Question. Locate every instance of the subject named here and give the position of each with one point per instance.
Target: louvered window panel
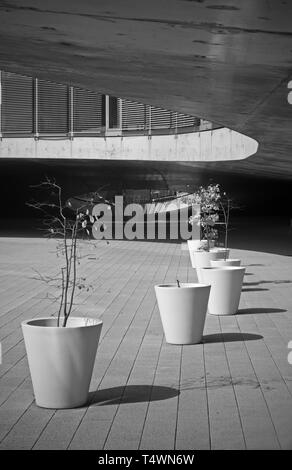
(184, 120)
(88, 111)
(53, 108)
(160, 118)
(17, 104)
(133, 115)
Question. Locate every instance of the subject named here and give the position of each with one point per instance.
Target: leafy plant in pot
(224, 275)
(183, 308)
(226, 205)
(61, 349)
(208, 198)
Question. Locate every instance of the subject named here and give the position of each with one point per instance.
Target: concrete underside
(228, 62)
(215, 145)
(234, 391)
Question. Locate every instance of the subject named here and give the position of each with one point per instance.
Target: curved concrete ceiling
(225, 61)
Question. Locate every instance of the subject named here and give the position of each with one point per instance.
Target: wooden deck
(234, 391)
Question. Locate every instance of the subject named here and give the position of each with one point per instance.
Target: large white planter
(203, 259)
(183, 311)
(223, 253)
(61, 359)
(226, 284)
(217, 263)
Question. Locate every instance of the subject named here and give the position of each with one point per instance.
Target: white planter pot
(61, 359)
(228, 262)
(223, 253)
(193, 245)
(183, 311)
(204, 243)
(226, 284)
(203, 259)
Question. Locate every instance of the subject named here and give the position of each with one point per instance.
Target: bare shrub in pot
(61, 351)
(71, 228)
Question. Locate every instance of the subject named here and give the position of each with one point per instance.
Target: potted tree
(61, 349)
(195, 242)
(226, 205)
(182, 308)
(208, 199)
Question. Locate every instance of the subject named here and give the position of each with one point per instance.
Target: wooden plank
(225, 423)
(193, 421)
(258, 428)
(275, 390)
(159, 433)
(129, 419)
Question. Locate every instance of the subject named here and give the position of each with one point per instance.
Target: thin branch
(62, 298)
(67, 231)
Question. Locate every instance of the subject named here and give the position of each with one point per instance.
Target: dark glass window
(113, 112)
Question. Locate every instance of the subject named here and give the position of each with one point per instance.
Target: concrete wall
(215, 145)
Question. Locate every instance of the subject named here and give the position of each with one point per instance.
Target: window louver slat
(53, 108)
(88, 111)
(17, 104)
(133, 115)
(184, 120)
(160, 118)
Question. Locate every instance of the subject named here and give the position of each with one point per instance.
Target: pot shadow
(259, 310)
(257, 289)
(250, 283)
(131, 394)
(255, 264)
(278, 281)
(230, 337)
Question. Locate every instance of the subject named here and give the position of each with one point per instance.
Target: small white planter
(226, 284)
(183, 311)
(204, 244)
(193, 245)
(228, 262)
(203, 259)
(223, 253)
(61, 359)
